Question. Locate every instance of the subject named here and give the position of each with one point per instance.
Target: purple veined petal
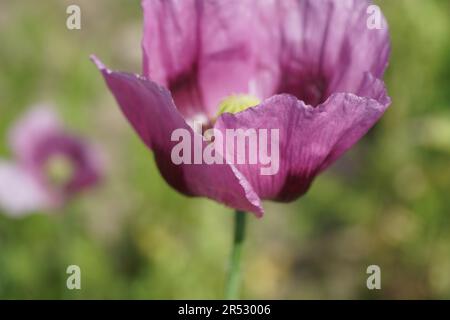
(204, 51)
(310, 139)
(20, 193)
(327, 47)
(371, 89)
(151, 111)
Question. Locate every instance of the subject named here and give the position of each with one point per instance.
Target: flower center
(237, 103)
(231, 104)
(59, 169)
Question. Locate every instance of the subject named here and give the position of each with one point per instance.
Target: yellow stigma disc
(237, 103)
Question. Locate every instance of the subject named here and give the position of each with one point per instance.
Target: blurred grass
(386, 202)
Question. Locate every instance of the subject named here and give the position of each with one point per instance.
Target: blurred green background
(386, 202)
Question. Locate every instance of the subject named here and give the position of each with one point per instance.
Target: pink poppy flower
(50, 165)
(315, 66)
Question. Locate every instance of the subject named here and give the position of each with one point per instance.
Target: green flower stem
(234, 273)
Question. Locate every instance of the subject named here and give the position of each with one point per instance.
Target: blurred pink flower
(314, 63)
(50, 165)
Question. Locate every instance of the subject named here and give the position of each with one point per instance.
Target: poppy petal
(204, 51)
(329, 45)
(309, 139)
(20, 193)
